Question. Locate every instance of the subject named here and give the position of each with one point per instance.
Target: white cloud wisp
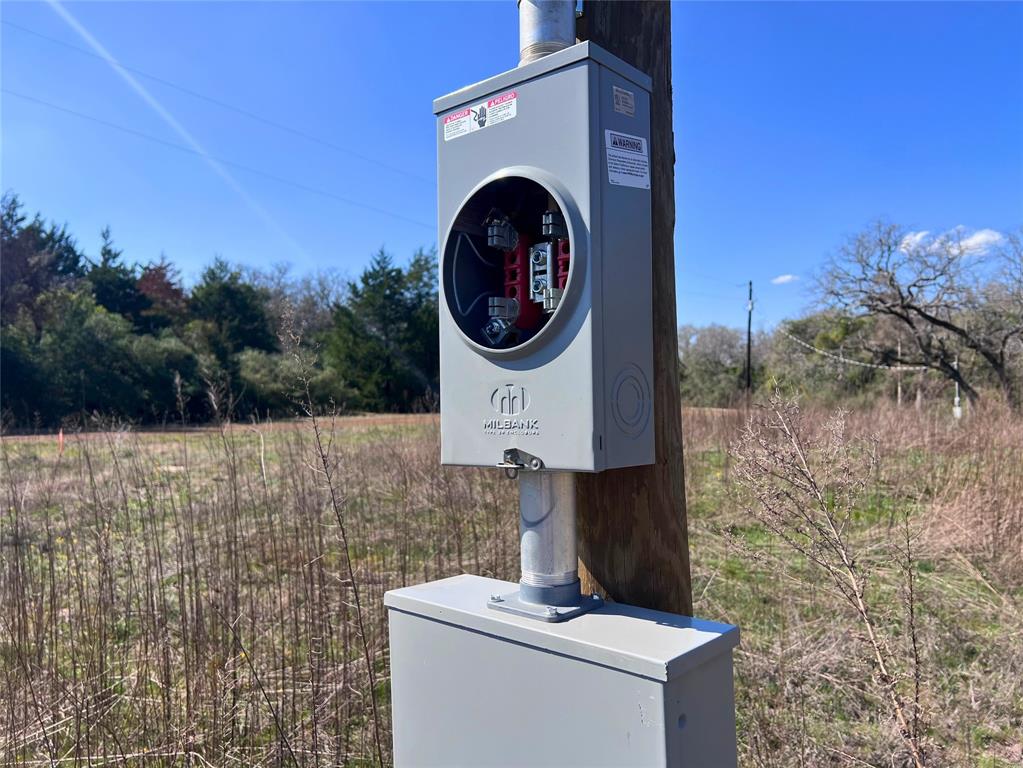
(976, 243)
(981, 241)
(784, 279)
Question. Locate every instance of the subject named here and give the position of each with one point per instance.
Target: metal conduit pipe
(545, 26)
(547, 538)
(547, 499)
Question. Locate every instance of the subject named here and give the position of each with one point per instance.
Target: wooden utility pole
(633, 537)
(749, 345)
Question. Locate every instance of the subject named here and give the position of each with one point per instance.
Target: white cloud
(913, 240)
(978, 242)
(981, 241)
(784, 279)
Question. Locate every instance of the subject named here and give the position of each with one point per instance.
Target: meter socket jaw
(543, 286)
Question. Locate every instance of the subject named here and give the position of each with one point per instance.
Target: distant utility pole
(957, 410)
(633, 538)
(898, 378)
(749, 344)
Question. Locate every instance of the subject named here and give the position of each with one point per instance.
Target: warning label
(456, 124)
(479, 116)
(628, 162)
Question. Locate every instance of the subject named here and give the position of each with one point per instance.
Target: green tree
(712, 362)
(22, 379)
(275, 384)
(80, 361)
(166, 367)
(384, 339)
(115, 284)
(232, 313)
(824, 377)
(424, 336)
(36, 257)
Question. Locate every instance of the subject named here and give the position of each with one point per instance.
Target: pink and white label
(479, 116)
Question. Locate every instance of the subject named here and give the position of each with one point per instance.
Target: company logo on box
(510, 400)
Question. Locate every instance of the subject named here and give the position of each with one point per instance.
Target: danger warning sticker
(479, 116)
(628, 162)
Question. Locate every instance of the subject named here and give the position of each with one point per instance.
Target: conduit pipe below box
(547, 535)
(547, 538)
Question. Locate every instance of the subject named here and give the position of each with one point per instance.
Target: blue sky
(796, 124)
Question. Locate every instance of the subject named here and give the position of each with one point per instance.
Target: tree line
(101, 335)
(85, 336)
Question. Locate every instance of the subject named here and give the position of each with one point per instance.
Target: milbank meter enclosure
(546, 326)
(546, 364)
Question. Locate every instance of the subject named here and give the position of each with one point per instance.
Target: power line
(172, 122)
(685, 272)
(706, 295)
(231, 163)
(223, 104)
(847, 361)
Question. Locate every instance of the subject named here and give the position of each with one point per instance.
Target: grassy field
(213, 597)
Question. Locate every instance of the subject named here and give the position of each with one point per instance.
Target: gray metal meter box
(544, 213)
(620, 686)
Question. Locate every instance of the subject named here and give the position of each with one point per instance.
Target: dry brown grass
(174, 600)
(809, 691)
(184, 598)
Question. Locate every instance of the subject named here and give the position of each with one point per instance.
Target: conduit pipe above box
(545, 26)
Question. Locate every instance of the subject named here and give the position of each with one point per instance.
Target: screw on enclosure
(496, 599)
(552, 611)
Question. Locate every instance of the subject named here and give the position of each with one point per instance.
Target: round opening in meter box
(506, 263)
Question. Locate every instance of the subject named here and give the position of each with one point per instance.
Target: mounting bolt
(535, 463)
(552, 611)
(496, 599)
